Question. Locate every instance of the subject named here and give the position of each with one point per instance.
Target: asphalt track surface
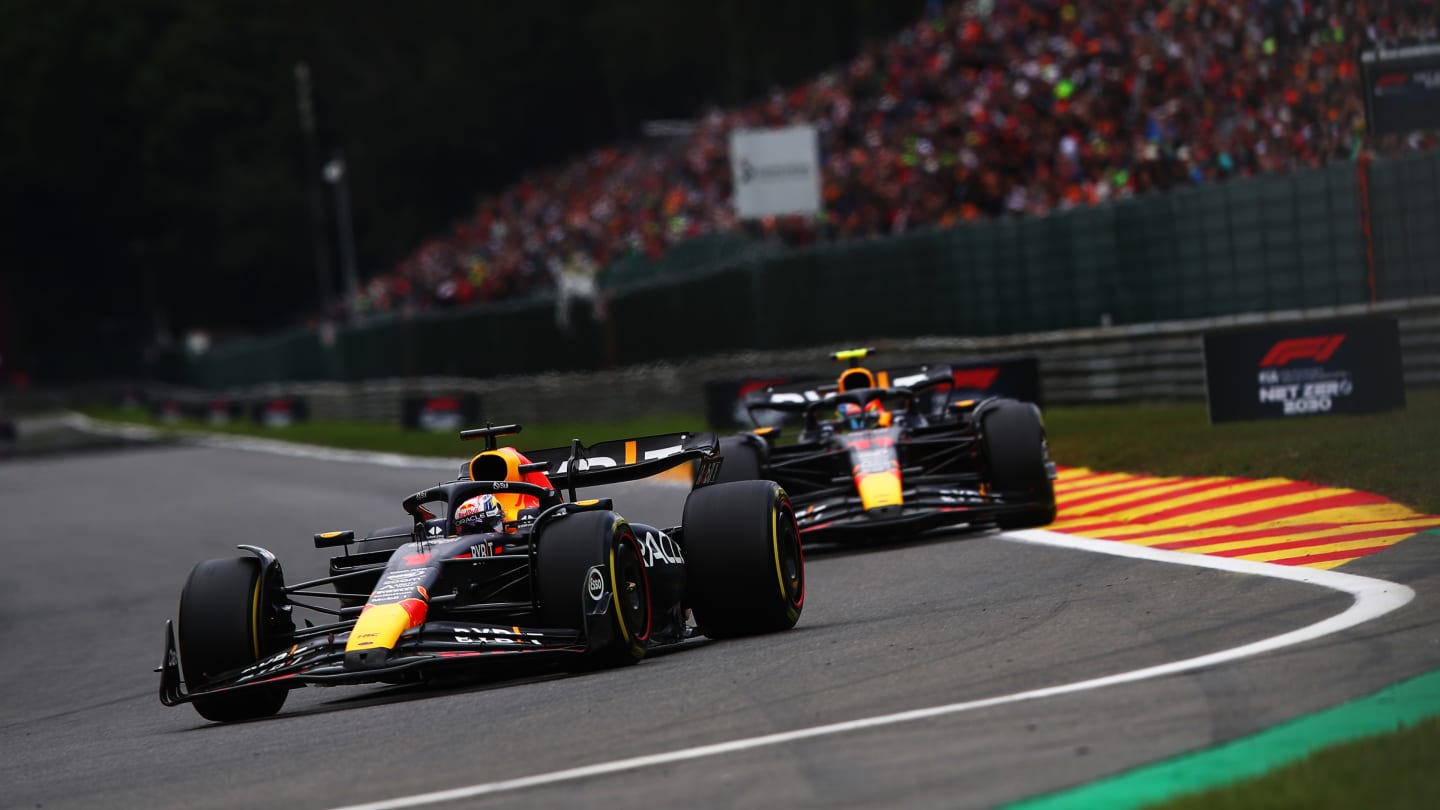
(97, 546)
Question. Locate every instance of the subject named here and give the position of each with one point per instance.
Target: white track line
(259, 445)
(292, 449)
(1373, 598)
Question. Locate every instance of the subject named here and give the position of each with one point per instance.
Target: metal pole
(304, 99)
(335, 175)
(1362, 170)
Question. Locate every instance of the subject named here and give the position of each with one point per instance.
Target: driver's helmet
(876, 415)
(480, 514)
(850, 416)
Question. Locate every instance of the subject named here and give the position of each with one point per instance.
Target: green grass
(1393, 771)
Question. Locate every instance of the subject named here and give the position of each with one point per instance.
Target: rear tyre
(1015, 462)
(741, 460)
(618, 621)
(743, 561)
(226, 623)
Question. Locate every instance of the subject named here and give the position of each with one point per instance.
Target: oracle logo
(1318, 348)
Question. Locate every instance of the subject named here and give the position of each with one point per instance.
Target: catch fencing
(1350, 235)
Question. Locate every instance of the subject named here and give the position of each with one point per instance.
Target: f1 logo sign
(1391, 81)
(1318, 348)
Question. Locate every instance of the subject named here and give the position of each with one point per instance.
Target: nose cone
(880, 490)
(377, 630)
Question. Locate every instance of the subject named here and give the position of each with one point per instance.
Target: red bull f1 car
(893, 452)
(543, 575)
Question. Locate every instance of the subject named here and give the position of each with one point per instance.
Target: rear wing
(794, 396)
(789, 397)
(920, 378)
(628, 459)
(802, 397)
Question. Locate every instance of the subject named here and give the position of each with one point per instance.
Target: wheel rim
(789, 558)
(631, 589)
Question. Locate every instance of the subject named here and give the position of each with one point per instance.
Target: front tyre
(590, 575)
(745, 568)
(225, 623)
(1016, 463)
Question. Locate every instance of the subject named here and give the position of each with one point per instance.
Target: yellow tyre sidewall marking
(625, 633)
(775, 546)
(255, 618)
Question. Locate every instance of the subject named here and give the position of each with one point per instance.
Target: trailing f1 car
(893, 452)
(494, 565)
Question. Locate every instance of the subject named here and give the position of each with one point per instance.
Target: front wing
(835, 513)
(321, 660)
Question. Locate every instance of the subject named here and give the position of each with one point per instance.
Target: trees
(151, 158)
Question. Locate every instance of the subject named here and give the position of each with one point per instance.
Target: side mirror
(332, 539)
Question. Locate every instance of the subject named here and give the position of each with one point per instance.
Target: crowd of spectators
(981, 109)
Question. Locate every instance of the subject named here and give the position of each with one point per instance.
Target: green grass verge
(1394, 771)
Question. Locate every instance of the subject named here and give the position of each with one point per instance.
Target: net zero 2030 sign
(1301, 369)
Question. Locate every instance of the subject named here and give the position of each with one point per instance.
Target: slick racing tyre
(740, 459)
(226, 623)
(1012, 443)
(743, 562)
(590, 575)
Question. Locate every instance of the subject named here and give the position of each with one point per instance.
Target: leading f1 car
(495, 565)
(894, 452)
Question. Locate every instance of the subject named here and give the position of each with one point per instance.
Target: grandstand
(979, 110)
